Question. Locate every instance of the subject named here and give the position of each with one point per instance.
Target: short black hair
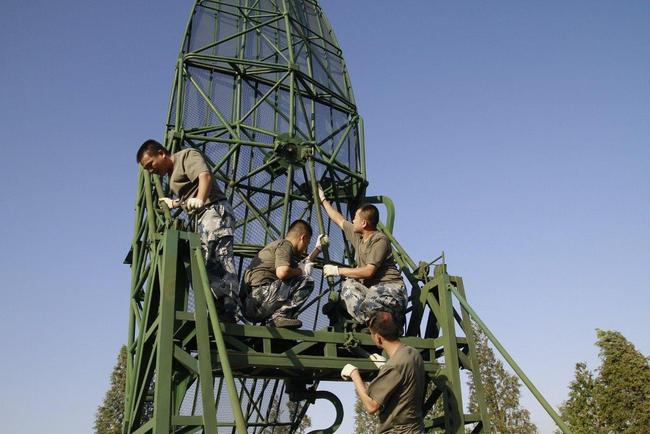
(151, 147)
(383, 323)
(370, 213)
(300, 227)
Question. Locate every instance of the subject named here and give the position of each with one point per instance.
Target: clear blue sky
(512, 135)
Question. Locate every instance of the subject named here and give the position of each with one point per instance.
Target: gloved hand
(169, 202)
(321, 193)
(306, 267)
(194, 204)
(378, 359)
(322, 239)
(330, 270)
(347, 370)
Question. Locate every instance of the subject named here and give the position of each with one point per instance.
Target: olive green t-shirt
(261, 270)
(399, 390)
(183, 182)
(377, 251)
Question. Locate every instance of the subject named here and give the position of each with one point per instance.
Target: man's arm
(334, 215)
(283, 261)
(203, 192)
(365, 272)
(369, 404)
(320, 241)
(205, 185)
(284, 272)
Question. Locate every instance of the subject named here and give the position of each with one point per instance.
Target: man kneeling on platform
(375, 283)
(278, 285)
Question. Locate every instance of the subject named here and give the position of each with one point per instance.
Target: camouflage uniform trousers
(361, 301)
(216, 227)
(278, 299)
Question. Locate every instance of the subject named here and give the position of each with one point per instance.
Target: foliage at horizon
(110, 414)
(617, 398)
(501, 390)
(364, 423)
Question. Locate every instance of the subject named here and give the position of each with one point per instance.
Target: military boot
(284, 322)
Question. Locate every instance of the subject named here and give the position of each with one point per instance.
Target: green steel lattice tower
(261, 88)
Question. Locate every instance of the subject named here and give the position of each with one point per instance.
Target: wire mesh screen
(253, 73)
(263, 403)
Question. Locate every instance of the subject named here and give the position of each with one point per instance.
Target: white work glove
(347, 371)
(330, 270)
(322, 239)
(169, 202)
(321, 194)
(378, 359)
(194, 204)
(306, 267)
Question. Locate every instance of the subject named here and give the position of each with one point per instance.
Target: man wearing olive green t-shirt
(375, 283)
(278, 284)
(397, 393)
(195, 190)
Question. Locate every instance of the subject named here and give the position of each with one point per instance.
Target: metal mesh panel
(235, 53)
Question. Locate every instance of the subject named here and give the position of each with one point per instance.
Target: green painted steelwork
(261, 89)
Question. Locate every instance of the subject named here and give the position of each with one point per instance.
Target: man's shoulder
(271, 245)
(187, 152)
(378, 235)
(404, 354)
(182, 152)
(348, 231)
(282, 242)
(410, 350)
(274, 245)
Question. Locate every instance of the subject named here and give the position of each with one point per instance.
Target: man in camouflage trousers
(278, 285)
(197, 192)
(375, 283)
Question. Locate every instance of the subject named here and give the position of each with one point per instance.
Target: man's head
(154, 158)
(383, 327)
(366, 218)
(299, 234)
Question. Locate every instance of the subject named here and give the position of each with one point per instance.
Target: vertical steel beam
(206, 380)
(466, 325)
(165, 336)
(218, 336)
(452, 396)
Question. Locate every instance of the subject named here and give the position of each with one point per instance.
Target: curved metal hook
(329, 396)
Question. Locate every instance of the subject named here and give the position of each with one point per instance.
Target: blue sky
(512, 135)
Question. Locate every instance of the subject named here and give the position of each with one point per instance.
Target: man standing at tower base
(397, 393)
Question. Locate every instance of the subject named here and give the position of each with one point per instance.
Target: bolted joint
(288, 151)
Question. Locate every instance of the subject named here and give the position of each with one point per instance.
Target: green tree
(364, 423)
(622, 390)
(305, 422)
(276, 416)
(110, 414)
(617, 400)
(579, 411)
(501, 391)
